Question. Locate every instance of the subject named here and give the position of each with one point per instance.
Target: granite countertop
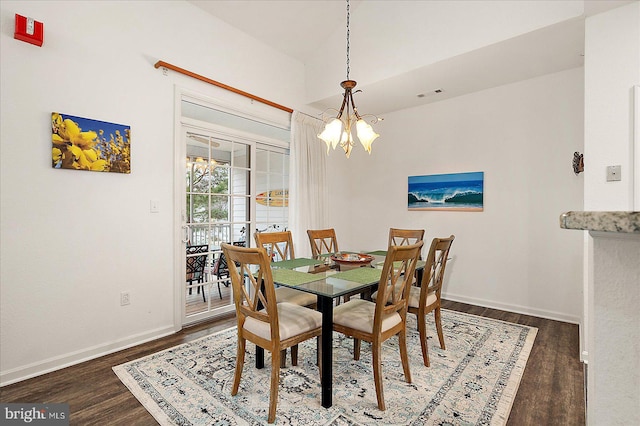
(625, 222)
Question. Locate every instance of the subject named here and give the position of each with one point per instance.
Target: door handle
(187, 231)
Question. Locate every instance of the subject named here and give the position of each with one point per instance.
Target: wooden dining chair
(426, 298)
(261, 319)
(279, 245)
(376, 322)
(322, 241)
(400, 237)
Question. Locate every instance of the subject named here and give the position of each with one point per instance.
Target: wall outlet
(125, 298)
(613, 173)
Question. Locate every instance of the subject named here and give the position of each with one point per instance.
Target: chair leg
(404, 355)
(294, 355)
(219, 291)
(283, 358)
(439, 327)
(204, 298)
(239, 365)
(356, 349)
(377, 373)
(275, 379)
(422, 331)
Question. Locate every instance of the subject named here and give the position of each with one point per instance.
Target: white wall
(612, 68)
(513, 255)
(72, 241)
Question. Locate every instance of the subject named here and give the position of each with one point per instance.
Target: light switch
(613, 173)
(154, 206)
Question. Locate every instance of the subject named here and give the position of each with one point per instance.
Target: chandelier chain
(338, 130)
(348, 39)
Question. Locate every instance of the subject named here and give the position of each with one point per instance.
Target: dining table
(328, 281)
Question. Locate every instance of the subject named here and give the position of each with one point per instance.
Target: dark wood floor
(551, 391)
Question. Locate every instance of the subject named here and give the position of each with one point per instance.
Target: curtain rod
(221, 85)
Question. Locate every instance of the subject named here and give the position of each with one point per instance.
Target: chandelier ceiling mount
(338, 130)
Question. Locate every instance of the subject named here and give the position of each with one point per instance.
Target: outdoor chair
(195, 266)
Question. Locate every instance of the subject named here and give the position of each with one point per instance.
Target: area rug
(473, 382)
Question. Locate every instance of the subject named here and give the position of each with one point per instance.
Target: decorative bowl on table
(353, 259)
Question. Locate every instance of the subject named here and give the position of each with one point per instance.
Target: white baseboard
(56, 363)
(525, 310)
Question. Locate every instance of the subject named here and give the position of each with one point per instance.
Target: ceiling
(550, 49)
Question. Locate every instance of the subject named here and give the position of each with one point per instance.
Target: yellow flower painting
(85, 144)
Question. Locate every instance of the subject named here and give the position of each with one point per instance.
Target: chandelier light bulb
(332, 133)
(365, 134)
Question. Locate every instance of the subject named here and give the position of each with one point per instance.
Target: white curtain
(308, 194)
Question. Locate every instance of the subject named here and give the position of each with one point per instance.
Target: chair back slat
(253, 288)
(322, 241)
(401, 237)
(435, 266)
(279, 245)
(395, 280)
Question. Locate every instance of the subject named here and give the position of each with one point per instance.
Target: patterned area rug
(472, 382)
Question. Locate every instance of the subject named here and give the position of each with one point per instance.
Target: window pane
(240, 155)
(221, 151)
(240, 209)
(199, 208)
(276, 162)
(240, 233)
(220, 180)
(200, 178)
(220, 234)
(240, 181)
(199, 234)
(220, 208)
(262, 160)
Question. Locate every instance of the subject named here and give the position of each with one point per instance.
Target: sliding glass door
(234, 182)
(217, 210)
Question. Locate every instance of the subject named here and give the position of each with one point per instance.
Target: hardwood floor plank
(551, 391)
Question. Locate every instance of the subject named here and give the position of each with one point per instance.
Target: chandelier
(338, 130)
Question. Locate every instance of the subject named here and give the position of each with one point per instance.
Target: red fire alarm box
(29, 30)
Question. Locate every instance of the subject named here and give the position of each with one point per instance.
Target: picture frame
(80, 143)
(450, 192)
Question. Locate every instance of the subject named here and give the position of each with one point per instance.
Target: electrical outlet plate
(125, 298)
(614, 173)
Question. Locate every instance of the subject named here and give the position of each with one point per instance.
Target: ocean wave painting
(455, 191)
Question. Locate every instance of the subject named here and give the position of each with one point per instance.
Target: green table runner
(287, 276)
(295, 263)
(360, 275)
(378, 253)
